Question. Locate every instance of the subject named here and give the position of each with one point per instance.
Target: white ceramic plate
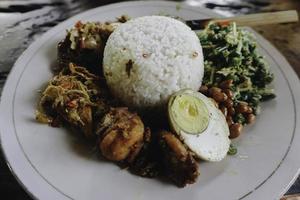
(51, 163)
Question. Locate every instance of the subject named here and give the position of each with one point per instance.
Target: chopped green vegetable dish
(230, 53)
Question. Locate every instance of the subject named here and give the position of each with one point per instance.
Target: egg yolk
(189, 114)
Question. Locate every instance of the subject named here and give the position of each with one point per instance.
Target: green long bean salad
(230, 53)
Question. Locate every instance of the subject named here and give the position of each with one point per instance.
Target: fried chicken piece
(121, 135)
(179, 163)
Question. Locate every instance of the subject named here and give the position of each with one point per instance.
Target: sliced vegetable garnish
(232, 150)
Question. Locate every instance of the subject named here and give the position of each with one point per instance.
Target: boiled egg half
(199, 124)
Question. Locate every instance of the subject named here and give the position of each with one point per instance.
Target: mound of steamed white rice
(149, 58)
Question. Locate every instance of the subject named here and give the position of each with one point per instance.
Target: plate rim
(290, 71)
